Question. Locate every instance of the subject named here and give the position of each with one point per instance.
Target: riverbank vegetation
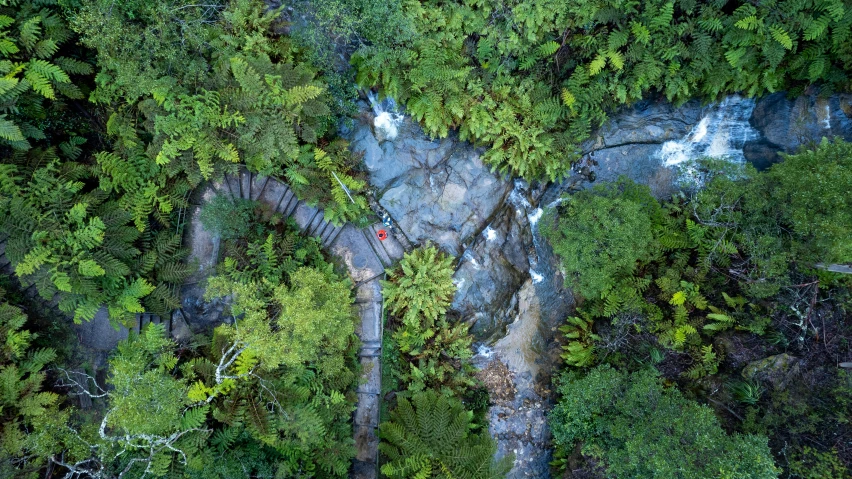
(110, 115)
(529, 80)
(721, 292)
(713, 303)
(435, 421)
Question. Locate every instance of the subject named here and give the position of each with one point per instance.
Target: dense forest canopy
(115, 115)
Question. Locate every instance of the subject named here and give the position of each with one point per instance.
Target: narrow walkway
(366, 258)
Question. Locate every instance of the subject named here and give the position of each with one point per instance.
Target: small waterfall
(826, 122)
(720, 134)
(388, 119)
(528, 350)
(521, 204)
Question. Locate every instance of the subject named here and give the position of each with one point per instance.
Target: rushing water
(529, 351)
(722, 133)
(387, 117)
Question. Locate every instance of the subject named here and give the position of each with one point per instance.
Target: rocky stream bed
(509, 285)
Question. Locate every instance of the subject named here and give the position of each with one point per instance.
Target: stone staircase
(98, 333)
(144, 319)
(365, 258)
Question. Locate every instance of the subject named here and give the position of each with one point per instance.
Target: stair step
(321, 230)
(221, 188)
(376, 243)
(391, 245)
(258, 183)
(273, 193)
(245, 184)
(233, 184)
(304, 215)
(289, 204)
(316, 224)
(330, 234)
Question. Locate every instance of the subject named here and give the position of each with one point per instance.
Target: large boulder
(651, 140)
(491, 271)
(631, 141)
(435, 190)
(785, 124)
(776, 370)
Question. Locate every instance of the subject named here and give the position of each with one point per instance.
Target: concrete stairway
(98, 333)
(366, 258)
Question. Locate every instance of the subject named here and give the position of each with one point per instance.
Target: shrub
(811, 191)
(430, 437)
(227, 217)
(531, 79)
(639, 429)
(600, 234)
(421, 287)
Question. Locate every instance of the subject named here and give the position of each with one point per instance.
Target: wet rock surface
(509, 285)
(785, 124)
(518, 378)
(436, 190)
(639, 141)
(491, 271)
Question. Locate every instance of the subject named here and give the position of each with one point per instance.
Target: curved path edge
(365, 258)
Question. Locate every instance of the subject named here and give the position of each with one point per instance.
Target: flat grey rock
(99, 334)
(352, 247)
(370, 328)
(366, 444)
(369, 292)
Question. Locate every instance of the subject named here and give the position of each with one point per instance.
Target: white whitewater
(722, 133)
(387, 118)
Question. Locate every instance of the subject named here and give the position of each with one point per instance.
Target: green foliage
(600, 234)
(229, 218)
(812, 464)
(810, 191)
(301, 416)
(283, 374)
(70, 239)
(531, 79)
(278, 323)
(23, 404)
(207, 87)
(147, 399)
(434, 350)
(747, 391)
(580, 350)
(698, 265)
(212, 412)
(638, 428)
(436, 358)
(801, 418)
(148, 427)
(431, 437)
(421, 287)
(31, 35)
(73, 242)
